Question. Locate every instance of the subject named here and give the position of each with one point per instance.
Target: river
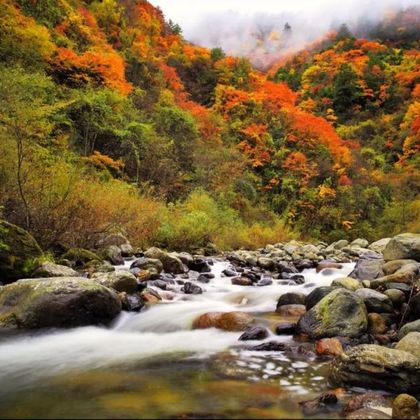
(152, 365)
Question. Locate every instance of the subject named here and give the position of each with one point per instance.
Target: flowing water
(152, 365)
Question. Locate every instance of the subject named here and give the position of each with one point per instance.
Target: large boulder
(18, 253)
(49, 269)
(404, 246)
(227, 321)
(56, 302)
(377, 367)
(316, 295)
(120, 280)
(340, 313)
(368, 267)
(410, 343)
(380, 245)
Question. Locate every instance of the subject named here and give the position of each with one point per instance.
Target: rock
(396, 296)
(150, 296)
(297, 278)
(271, 346)
(79, 257)
(19, 252)
(116, 239)
(96, 266)
(408, 328)
(265, 282)
(49, 269)
(316, 295)
(131, 303)
(376, 324)
(185, 257)
(227, 321)
(286, 328)
(327, 264)
(319, 404)
(414, 307)
(367, 413)
(410, 343)
(255, 333)
(405, 407)
(367, 400)
(152, 265)
(170, 261)
(242, 281)
(373, 366)
(399, 286)
(200, 265)
(121, 280)
(360, 243)
(340, 313)
(375, 301)
(291, 298)
(192, 289)
(380, 245)
(340, 244)
(229, 272)
(112, 253)
(205, 277)
(368, 268)
(266, 263)
(328, 347)
(126, 250)
(160, 284)
(404, 246)
(291, 310)
(60, 302)
(347, 283)
(391, 267)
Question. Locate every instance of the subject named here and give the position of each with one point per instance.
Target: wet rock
(410, 327)
(160, 284)
(191, 289)
(367, 400)
(121, 280)
(340, 313)
(49, 269)
(286, 328)
(368, 413)
(297, 278)
(292, 298)
(266, 263)
(131, 303)
(377, 367)
(375, 301)
(347, 283)
(404, 246)
(227, 321)
(327, 264)
(150, 296)
(229, 272)
(60, 302)
(291, 310)
(267, 281)
(152, 265)
(286, 267)
(205, 277)
(316, 295)
(255, 333)
(241, 281)
(368, 268)
(271, 346)
(410, 343)
(318, 405)
(18, 253)
(200, 265)
(405, 407)
(376, 324)
(328, 347)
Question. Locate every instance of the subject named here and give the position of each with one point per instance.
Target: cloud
(256, 28)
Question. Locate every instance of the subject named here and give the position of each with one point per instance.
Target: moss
(80, 256)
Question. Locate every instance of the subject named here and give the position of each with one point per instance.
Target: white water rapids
(160, 330)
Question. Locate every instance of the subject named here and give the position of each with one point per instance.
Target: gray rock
(368, 268)
(60, 302)
(113, 254)
(255, 333)
(377, 367)
(170, 261)
(192, 289)
(360, 243)
(121, 280)
(408, 328)
(391, 267)
(375, 301)
(154, 266)
(339, 313)
(404, 246)
(49, 269)
(396, 296)
(380, 245)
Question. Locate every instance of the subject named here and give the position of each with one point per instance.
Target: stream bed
(153, 365)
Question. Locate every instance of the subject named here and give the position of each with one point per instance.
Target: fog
(257, 28)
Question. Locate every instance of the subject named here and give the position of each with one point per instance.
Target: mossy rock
(19, 253)
(339, 313)
(79, 257)
(60, 302)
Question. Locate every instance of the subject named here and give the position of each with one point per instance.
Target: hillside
(112, 121)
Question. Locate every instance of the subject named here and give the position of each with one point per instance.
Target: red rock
(328, 347)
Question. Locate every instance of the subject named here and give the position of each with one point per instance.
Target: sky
(255, 27)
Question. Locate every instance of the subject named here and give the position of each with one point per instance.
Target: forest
(111, 121)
